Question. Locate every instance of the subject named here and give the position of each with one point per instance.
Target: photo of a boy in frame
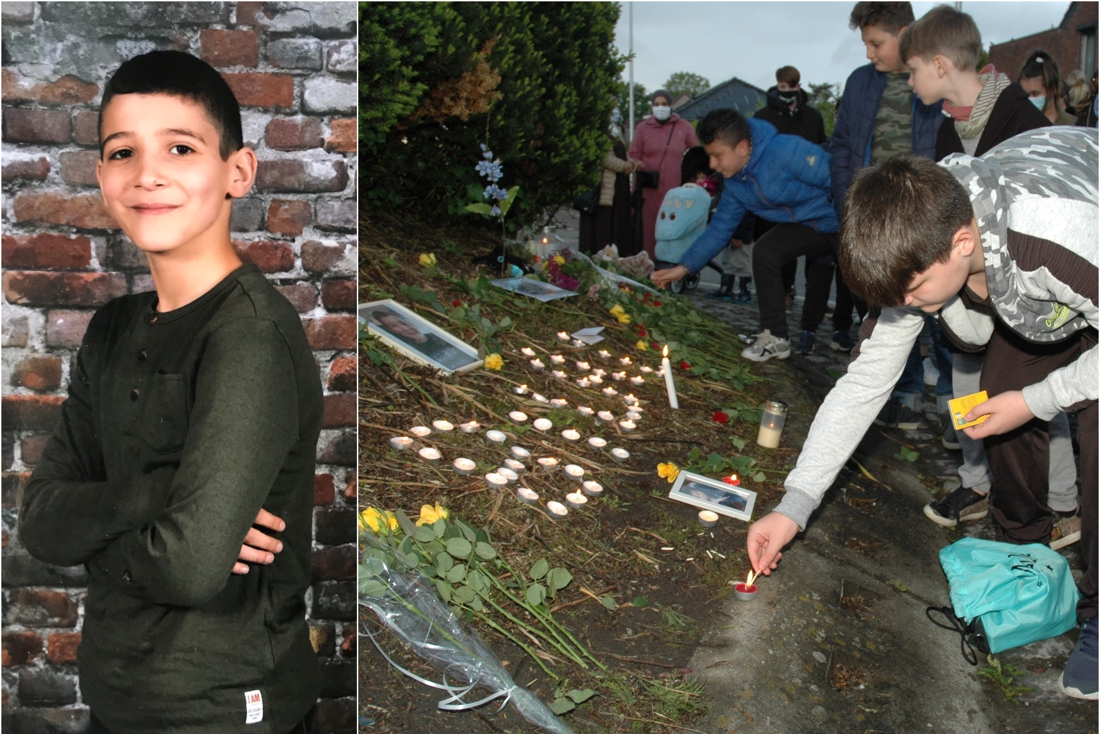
(418, 336)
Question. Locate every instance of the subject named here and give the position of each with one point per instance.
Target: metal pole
(630, 133)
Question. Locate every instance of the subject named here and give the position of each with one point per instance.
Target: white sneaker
(767, 346)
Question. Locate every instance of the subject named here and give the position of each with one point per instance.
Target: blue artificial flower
(492, 171)
(495, 211)
(494, 193)
(484, 168)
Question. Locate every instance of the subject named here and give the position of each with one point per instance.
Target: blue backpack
(680, 221)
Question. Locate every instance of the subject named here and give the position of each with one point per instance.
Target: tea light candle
(636, 408)
(632, 415)
(517, 416)
(595, 379)
(574, 472)
(400, 442)
(583, 366)
(620, 454)
(529, 496)
(592, 489)
(470, 427)
(606, 416)
(637, 380)
(549, 463)
(496, 437)
(745, 592)
(539, 398)
(630, 399)
(543, 424)
(518, 452)
(578, 343)
(430, 455)
(556, 509)
(585, 411)
(661, 372)
(628, 425)
(604, 354)
(583, 382)
(520, 389)
(570, 435)
(610, 391)
(646, 369)
(564, 336)
(495, 481)
(528, 352)
(559, 402)
(707, 518)
(625, 361)
(559, 374)
(596, 442)
(509, 475)
(464, 466)
(576, 500)
(557, 359)
(420, 431)
(516, 466)
(537, 364)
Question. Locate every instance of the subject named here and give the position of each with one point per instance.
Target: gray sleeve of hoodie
(848, 411)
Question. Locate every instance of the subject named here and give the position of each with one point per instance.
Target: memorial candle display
(627, 425)
(400, 442)
(495, 481)
(583, 382)
(596, 442)
(470, 427)
(625, 361)
(618, 376)
(595, 379)
(605, 416)
(583, 366)
(563, 335)
(430, 455)
(673, 402)
(543, 424)
(570, 435)
(509, 475)
(556, 509)
(527, 352)
(516, 466)
(559, 402)
(574, 472)
(520, 453)
(637, 380)
(771, 424)
(496, 437)
(576, 500)
(548, 463)
(599, 373)
(464, 466)
(557, 359)
(420, 431)
(518, 416)
(537, 364)
(645, 369)
(539, 398)
(610, 391)
(586, 411)
(529, 496)
(604, 354)
(592, 489)
(620, 454)
(558, 374)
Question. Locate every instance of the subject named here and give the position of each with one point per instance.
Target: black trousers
(780, 245)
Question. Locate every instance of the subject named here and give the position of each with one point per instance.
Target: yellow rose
(494, 361)
(624, 318)
(373, 518)
(641, 345)
(617, 310)
(427, 260)
(668, 471)
(559, 259)
(429, 514)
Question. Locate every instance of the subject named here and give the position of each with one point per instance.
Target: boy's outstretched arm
(241, 429)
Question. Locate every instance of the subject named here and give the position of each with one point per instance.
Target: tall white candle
(673, 402)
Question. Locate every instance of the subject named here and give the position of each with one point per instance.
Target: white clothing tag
(253, 707)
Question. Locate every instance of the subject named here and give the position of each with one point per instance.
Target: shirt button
(134, 394)
(142, 355)
(153, 319)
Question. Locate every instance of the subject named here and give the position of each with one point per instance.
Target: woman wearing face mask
(1043, 84)
(659, 144)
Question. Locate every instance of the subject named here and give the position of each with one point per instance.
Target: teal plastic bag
(1017, 593)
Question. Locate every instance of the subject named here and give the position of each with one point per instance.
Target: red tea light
(732, 480)
(744, 592)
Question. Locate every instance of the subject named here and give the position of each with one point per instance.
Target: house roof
(735, 93)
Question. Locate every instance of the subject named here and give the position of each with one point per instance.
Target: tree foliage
(824, 98)
(641, 104)
(535, 81)
(684, 82)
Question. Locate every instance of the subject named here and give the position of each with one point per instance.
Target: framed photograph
(534, 288)
(714, 494)
(417, 338)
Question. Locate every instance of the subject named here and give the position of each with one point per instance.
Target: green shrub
(535, 81)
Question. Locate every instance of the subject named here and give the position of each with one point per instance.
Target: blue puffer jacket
(850, 145)
(786, 180)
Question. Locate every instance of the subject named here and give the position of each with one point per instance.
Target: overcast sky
(750, 40)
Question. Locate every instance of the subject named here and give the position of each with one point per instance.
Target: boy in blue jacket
(782, 179)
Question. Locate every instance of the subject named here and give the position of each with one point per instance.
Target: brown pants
(1019, 459)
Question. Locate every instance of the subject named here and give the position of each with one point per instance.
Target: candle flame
(749, 578)
(664, 352)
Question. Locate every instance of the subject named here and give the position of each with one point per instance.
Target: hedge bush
(534, 81)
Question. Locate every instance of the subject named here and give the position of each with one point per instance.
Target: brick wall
(1064, 44)
(293, 68)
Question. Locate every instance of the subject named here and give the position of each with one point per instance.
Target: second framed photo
(714, 494)
(417, 338)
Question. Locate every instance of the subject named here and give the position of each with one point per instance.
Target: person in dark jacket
(788, 108)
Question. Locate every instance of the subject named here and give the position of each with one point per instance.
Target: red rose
(655, 345)
(642, 332)
(456, 303)
(657, 303)
(720, 417)
(684, 365)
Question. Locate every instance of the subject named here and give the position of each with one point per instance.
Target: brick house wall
(1064, 43)
(293, 69)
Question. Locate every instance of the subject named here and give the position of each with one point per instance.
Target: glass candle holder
(771, 424)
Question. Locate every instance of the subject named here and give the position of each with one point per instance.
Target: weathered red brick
(66, 328)
(270, 91)
(20, 647)
(35, 169)
(324, 489)
(46, 252)
(30, 412)
(67, 90)
(288, 216)
(298, 176)
(340, 410)
(331, 332)
(23, 125)
(271, 257)
(318, 257)
(61, 648)
(343, 375)
(252, 13)
(339, 295)
(350, 491)
(85, 211)
(302, 296)
(344, 137)
(348, 644)
(31, 448)
(41, 608)
(86, 127)
(294, 133)
(43, 288)
(334, 563)
(41, 373)
(230, 48)
(78, 167)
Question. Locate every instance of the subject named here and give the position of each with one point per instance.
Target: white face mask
(1039, 102)
(661, 113)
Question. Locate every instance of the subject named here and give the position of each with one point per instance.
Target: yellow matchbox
(961, 406)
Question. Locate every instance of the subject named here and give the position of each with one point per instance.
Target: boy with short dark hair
(193, 412)
(780, 178)
(1004, 249)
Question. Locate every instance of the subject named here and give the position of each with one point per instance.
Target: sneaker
(806, 343)
(724, 292)
(962, 505)
(842, 342)
(1078, 680)
(896, 414)
(767, 346)
(1066, 530)
(949, 436)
